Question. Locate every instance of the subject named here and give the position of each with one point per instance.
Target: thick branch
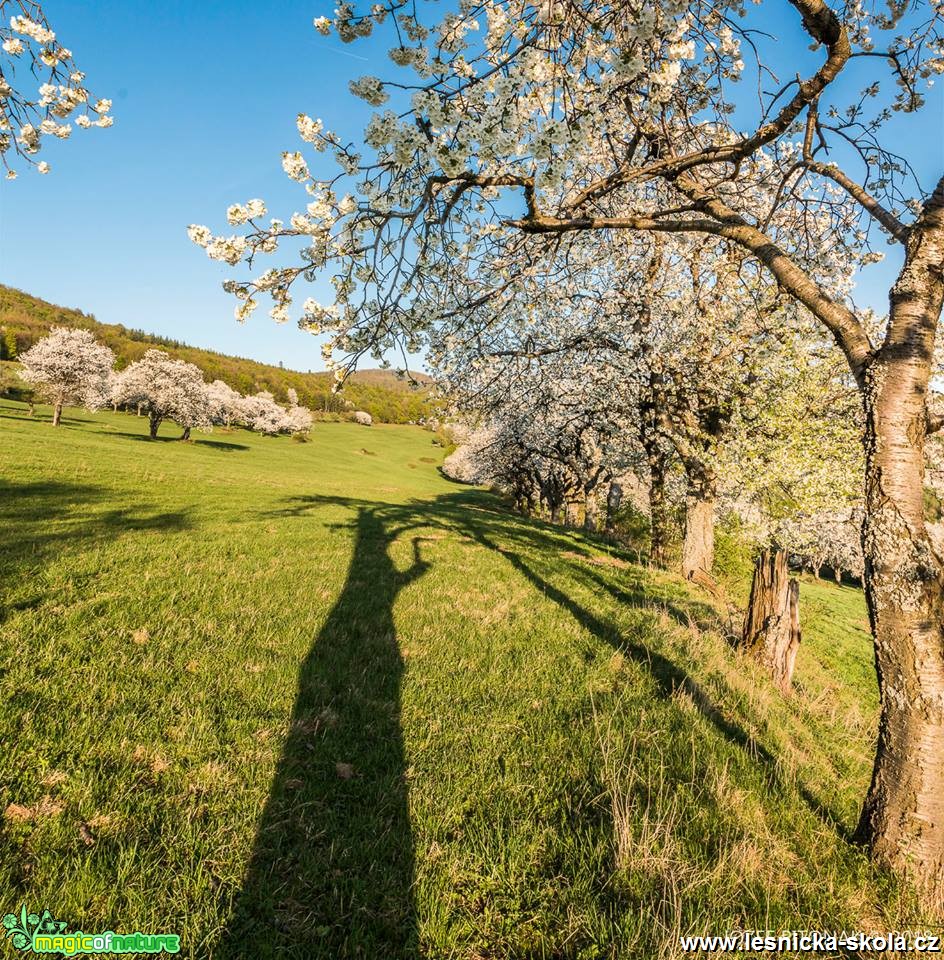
(824, 27)
(725, 222)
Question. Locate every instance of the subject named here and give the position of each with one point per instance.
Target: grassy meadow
(315, 701)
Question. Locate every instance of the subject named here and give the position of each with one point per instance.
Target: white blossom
(69, 366)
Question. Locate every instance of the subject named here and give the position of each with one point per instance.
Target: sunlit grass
(315, 701)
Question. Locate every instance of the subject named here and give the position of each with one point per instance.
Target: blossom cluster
(29, 49)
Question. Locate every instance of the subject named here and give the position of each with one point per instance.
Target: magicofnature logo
(43, 933)
(22, 928)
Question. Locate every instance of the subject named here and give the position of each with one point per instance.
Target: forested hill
(24, 319)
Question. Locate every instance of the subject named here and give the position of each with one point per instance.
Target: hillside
(314, 701)
(24, 319)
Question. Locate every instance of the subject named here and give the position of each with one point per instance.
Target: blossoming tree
(29, 50)
(69, 366)
(261, 413)
(225, 403)
(612, 117)
(166, 389)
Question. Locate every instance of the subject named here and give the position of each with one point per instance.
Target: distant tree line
(25, 320)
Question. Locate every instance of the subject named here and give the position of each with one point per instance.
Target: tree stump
(772, 624)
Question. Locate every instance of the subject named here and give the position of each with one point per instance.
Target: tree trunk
(591, 513)
(698, 548)
(772, 624)
(570, 513)
(902, 819)
(57, 413)
(614, 500)
(816, 570)
(154, 424)
(186, 434)
(555, 512)
(837, 574)
(660, 525)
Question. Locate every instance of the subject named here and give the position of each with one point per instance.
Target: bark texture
(57, 413)
(155, 422)
(902, 820)
(660, 518)
(698, 548)
(614, 500)
(571, 513)
(772, 625)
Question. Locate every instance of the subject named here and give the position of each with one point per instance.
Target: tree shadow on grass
(671, 679)
(224, 445)
(331, 871)
(332, 866)
(42, 416)
(669, 676)
(41, 520)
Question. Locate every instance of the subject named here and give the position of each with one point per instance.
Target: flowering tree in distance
(225, 403)
(69, 366)
(612, 117)
(261, 413)
(298, 419)
(29, 50)
(166, 389)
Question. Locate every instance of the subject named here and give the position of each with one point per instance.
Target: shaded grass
(297, 701)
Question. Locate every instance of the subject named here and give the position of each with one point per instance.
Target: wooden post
(772, 624)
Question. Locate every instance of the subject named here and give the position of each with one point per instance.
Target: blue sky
(205, 98)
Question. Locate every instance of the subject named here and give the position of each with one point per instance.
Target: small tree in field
(261, 413)
(69, 367)
(166, 389)
(298, 419)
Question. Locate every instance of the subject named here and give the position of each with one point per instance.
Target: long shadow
(331, 872)
(480, 517)
(226, 445)
(40, 520)
(669, 677)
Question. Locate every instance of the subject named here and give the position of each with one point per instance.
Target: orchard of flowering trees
(69, 367)
(624, 230)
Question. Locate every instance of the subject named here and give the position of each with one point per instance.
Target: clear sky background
(205, 98)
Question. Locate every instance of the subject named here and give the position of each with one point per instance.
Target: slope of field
(24, 319)
(315, 701)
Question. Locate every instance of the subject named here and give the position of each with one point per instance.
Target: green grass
(315, 701)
